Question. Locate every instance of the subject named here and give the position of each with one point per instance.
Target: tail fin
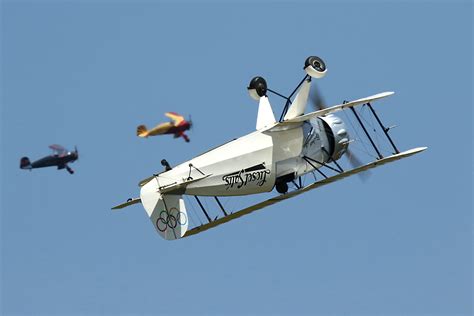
(142, 131)
(25, 163)
(167, 212)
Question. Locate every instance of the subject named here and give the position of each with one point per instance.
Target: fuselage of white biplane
(253, 163)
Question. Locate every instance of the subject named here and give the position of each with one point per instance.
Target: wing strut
(308, 159)
(314, 167)
(220, 205)
(203, 209)
(366, 133)
(385, 129)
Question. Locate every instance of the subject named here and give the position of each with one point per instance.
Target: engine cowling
(325, 138)
(337, 134)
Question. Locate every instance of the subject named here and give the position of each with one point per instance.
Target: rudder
(142, 131)
(167, 212)
(25, 163)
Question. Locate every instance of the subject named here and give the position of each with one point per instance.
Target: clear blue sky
(86, 74)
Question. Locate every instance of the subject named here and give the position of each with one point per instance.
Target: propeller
(316, 99)
(190, 121)
(356, 162)
(317, 102)
(76, 152)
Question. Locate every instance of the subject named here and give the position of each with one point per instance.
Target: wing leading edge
(175, 117)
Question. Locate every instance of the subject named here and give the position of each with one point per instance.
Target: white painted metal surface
(336, 108)
(298, 106)
(167, 212)
(265, 116)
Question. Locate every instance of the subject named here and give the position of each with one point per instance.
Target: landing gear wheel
(257, 88)
(281, 187)
(315, 67)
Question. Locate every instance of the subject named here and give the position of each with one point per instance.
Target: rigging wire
(194, 210)
(359, 140)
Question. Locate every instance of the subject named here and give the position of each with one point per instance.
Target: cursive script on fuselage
(243, 178)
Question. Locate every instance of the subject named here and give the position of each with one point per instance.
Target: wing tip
(415, 150)
(128, 203)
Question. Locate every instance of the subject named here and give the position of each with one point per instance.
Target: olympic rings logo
(171, 219)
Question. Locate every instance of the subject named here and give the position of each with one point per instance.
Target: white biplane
(278, 153)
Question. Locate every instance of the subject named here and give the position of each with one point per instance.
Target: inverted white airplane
(277, 153)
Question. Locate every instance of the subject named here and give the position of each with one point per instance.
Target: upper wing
(175, 117)
(57, 148)
(332, 109)
(312, 186)
(339, 107)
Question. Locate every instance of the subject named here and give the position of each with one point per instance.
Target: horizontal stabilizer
(145, 181)
(179, 188)
(128, 203)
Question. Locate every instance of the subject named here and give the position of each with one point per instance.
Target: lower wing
(312, 186)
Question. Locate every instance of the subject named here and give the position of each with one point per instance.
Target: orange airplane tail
(142, 131)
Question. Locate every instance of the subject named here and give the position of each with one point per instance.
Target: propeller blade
(316, 99)
(356, 162)
(190, 121)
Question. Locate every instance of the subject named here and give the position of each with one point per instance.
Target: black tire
(282, 187)
(260, 86)
(316, 63)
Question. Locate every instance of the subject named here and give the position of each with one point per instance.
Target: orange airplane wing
(175, 117)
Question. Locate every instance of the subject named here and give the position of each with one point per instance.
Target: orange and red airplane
(177, 126)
